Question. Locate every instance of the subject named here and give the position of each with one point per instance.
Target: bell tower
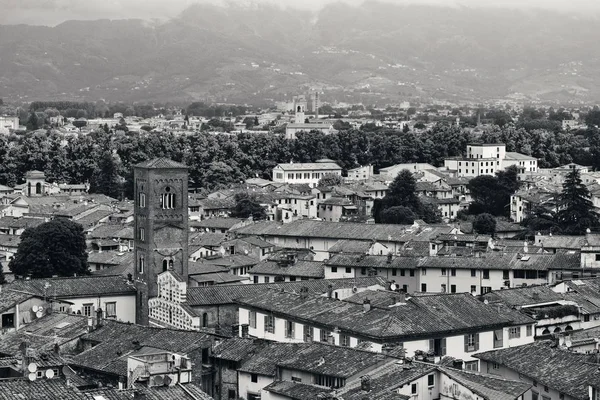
(161, 226)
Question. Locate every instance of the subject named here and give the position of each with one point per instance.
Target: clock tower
(161, 226)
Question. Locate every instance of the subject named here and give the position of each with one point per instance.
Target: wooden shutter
(443, 346)
(466, 343)
(431, 344)
(476, 341)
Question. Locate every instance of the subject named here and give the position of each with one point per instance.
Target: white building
(487, 159)
(307, 173)
(8, 123)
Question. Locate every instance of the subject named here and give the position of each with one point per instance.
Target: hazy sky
(52, 12)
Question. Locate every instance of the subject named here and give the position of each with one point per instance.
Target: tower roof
(161, 163)
(34, 174)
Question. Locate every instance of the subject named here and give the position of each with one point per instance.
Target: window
(431, 380)
(333, 270)
(472, 366)
(255, 278)
(473, 272)
(453, 272)
(505, 274)
(231, 394)
(141, 263)
(443, 289)
(471, 342)
(167, 199)
(253, 396)
(498, 338)
(324, 335)
(452, 288)
(289, 329)
(307, 334)
(254, 378)
(535, 395)
(110, 309)
(252, 319)
(412, 272)
(394, 272)
(586, 318)
(413, 388)
(269, 323)
(529, 330)
(345, 340)
(597, 257)
(87, 309)
(424, 271)
(423, 287)
(296, 379)
(8, 320)
(142, 234)
(486, 274)
(267, 280)
(142, 200)
(348, 270)
(443, 271)
(473, 289)
(514, 332)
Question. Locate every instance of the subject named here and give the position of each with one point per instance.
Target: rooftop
(524, 296)
(309, 166)
(161, 163)
(212, 295)
(310, 269)
(564, 371)
(81, 286)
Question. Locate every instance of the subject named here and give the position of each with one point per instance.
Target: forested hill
(220, 160)
(372, 52)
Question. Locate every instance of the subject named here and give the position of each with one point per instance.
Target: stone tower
(35, 183)
(161, 226)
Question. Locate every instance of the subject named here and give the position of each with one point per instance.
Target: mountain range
(371, 52)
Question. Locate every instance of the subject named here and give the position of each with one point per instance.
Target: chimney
(457, 364)
(367, 305)
(365, 383)
(329, 291)
(402, 298)
(99, 318)
(129, 278)
(245, 330)
(121, 382)
(56, 348)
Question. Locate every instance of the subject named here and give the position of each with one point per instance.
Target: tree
(485, 224)
(79, 123)
(330, 180)
(593, 118)
(398, 215)
(402, 191)
(576, 211)
(492, 193)
(33, 122)
(52, 248)
(247, 206)
(106, 179)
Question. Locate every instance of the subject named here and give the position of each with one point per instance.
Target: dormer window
(167, 199)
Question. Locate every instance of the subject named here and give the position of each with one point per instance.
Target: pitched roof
(81, 286)
(564, 371)
(523, 296)
(40, 389)
(301, 268)
(343, 230)
(160, 163)
(418, 317)
(191, 391)
(218, 223)
(490, 387)
(116, 341)
(560, 242)
(314, 357)
(10, 298)
(351, 246)
(213, 295)
(305, 166)
(296, 390)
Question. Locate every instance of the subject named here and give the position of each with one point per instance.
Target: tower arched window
(167, 199)
(141, 265)
(38, 188)
(167, 264)
(205, 320)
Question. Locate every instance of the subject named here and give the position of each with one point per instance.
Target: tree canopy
(330, 180)
(401, 197)
(53, 248)
(246, 206)
(492, 193)
(575, 209)
(485, 224)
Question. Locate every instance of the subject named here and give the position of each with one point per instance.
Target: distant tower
(161, 226)
(299, 109)
(35, 183)
(478, 118)
(316, 105)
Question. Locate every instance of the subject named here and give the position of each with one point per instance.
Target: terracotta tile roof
(10, 298)
(200, 268)
(296, 390)
(351, 246)
(116, 341)
(213, 295)
(219, 278)
(489, 387)
(23, 222)
(236, 348)
(315, 357)
(81, 286)
(564, 371)
(309, 269)
(218, 223)
(41, 389)
(161, 163)
(342, 230)
(523, 296)
(418, 317)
